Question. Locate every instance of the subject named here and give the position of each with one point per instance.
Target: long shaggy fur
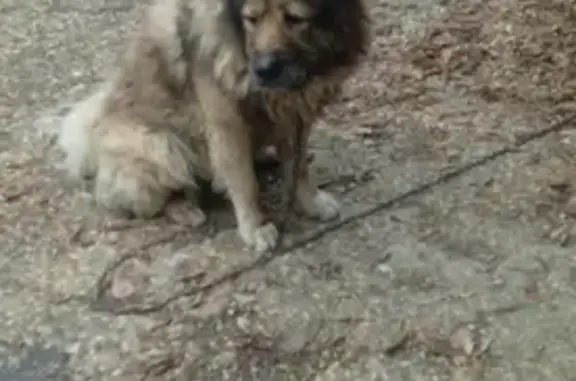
(155, 127)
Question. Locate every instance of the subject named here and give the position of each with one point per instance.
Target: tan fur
(182, 107)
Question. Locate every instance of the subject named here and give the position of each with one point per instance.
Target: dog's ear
(345, 22)
(337, 11)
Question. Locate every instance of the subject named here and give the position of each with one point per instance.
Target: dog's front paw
(262, 238)
(321, 205)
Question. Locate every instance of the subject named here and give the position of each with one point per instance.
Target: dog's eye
(292, 19)
(250, 19)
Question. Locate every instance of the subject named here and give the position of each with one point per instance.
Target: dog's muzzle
(277, 71)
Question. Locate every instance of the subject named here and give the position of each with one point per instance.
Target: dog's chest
(274, 116)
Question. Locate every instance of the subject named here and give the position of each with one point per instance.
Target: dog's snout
(268, 67)
(278, 70)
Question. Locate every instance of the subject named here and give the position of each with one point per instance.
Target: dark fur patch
(183, 29)
(233, 12)
(345, 22)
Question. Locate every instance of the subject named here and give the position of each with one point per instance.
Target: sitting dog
(204, 86)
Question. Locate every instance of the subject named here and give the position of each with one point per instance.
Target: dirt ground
(454, 260)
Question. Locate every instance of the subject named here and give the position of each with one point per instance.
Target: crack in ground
(441, 180)
(265, 258)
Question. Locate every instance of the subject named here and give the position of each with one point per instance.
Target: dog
(203, 87)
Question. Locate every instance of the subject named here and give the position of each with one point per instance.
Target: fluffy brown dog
(205, 85)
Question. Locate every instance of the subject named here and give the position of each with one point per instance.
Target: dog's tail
(77, 138)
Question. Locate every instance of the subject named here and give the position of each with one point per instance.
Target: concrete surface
(471, 278)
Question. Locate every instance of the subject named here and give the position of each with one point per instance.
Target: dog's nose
(268, 67)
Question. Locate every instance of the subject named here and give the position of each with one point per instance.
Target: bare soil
(453, 154)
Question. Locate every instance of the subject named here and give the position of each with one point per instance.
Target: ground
(454, 259)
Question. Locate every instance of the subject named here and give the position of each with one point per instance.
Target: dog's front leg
(310, 200)
(231, 157)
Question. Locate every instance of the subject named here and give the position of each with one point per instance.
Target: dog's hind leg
(138, 170)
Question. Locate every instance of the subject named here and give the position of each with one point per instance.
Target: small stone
(570, 207)
(4, 111)
(462, 339)
(131, 277)
(561, 236)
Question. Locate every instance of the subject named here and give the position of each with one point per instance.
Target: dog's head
(289, 42)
